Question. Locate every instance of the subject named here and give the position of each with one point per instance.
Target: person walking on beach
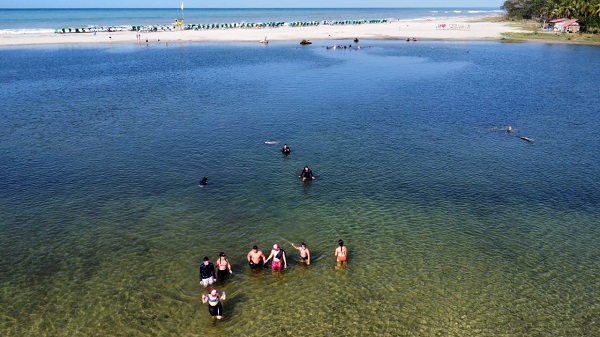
(255, 257)
(214, 304)
(341, 253)
(223, 267)
(207, 273)
(304, 253)
(307, 174)
(279, 260)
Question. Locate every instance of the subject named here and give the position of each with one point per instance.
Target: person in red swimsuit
(341, 252)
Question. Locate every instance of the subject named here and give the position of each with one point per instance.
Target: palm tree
(596, 9)
(548, 10)
(581, 8)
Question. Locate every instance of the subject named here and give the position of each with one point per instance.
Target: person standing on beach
(214, 304)
(304, 253)
(341, 253)
(306, 174)
(207, 273)
(255, 257)
(278, 256)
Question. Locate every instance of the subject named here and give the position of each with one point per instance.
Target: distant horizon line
(45, 8)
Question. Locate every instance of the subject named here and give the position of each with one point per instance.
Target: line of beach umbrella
(155, 28)
(277, 24)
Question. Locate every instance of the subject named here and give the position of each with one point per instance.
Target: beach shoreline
(441, 29)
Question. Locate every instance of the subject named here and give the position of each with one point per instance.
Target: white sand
(427, 29)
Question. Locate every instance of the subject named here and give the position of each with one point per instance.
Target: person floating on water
(223, 267)
(286, 149)
(307, 174)
(341, 253)
(304, 253)
(256, 257)
(214, 304)
(278, 256)
(207, 273)
(204, 181)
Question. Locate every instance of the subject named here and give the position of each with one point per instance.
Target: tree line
(587, 11)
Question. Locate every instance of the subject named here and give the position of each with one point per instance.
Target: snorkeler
(255, 258)
(278, 255)
(304, 253)
(307, 174)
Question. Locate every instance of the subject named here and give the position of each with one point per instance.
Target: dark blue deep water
(454, 227)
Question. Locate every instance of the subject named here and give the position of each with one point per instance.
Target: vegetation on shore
(537, 35)
(586, 11)
(533, 31)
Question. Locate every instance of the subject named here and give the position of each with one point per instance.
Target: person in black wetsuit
(207, 273)
(286, 149)
(307, 174)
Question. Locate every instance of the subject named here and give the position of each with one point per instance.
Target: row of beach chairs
(273, 24)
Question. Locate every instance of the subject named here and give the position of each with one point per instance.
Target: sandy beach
(426, 29)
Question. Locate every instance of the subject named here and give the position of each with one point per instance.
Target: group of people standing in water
(209, 273)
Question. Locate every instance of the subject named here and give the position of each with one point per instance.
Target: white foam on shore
(25, 31)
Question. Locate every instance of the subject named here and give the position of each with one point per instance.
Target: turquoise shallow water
(453, 227)
(27, 20)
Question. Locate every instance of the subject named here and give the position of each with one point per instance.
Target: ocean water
(454, 227)
(41, 20)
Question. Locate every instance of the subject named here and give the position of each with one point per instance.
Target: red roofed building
(567, 26)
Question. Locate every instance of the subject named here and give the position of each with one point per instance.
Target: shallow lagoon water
(453, 226)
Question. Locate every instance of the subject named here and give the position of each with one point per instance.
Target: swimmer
(341, 253)
(304, 253)
(223, 267)
(207, 273)
(286, 149)
(214, 304)
(278, 256)
(307, 174)
(255, 258)
(204, 181)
